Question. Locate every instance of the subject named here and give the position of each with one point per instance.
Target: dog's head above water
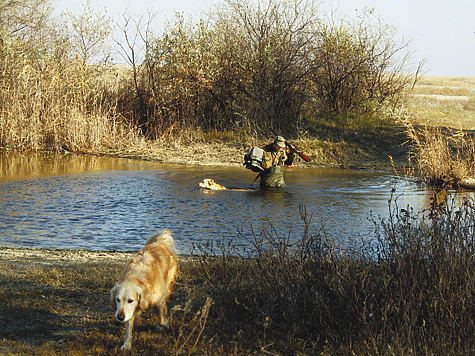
(211, 184)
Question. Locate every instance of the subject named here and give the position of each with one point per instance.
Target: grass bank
(410, 292)
(382, 148)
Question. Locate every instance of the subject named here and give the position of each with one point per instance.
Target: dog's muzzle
(120, 317)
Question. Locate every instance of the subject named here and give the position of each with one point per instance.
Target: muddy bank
(380, 149)
(383, 150)
(21, 257)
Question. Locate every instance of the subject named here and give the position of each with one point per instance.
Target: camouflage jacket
(274, 158)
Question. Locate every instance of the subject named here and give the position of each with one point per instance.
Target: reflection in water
(66, 201)
(15, 166)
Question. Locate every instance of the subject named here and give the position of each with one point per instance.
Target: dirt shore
(56, 302)
(20, 258)
(386, 149)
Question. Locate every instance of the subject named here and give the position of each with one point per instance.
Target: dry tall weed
(442, 156)
(407, 292)
(61, 108)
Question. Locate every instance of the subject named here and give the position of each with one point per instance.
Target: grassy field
(444, 101)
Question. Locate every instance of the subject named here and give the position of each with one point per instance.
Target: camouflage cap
(280, 141)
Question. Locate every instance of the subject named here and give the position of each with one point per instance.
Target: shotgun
(293, 149)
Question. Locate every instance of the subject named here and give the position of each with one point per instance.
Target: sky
(441, 32)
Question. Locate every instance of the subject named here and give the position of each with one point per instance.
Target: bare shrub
(409, 291)
(248, 66)
(266, 48)
(275, 293)
(360, 67)
(242, 68)
(428, 292)
(192, 325)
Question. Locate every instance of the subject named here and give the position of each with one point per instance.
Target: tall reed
(61, 105)
(442, 156)
(51, 99)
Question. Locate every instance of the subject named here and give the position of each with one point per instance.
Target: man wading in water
(273, 163)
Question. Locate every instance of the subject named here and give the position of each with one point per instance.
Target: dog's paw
(163, 328)
(125, 347)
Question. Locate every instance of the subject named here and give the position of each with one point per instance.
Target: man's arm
(290, 158)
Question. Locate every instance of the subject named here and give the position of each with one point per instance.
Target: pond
(60, 201)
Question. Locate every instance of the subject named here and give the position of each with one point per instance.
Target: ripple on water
(116, 204)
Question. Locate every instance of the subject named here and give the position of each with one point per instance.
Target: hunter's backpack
(253, 159)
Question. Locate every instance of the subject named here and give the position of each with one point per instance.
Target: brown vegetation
(242, 69)
(225, 81)
(443, 157)
(336, 87)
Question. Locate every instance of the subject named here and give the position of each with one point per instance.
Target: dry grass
(444, 101)
(48, 298)
(443, 157)
(57, 302)
(58, 109)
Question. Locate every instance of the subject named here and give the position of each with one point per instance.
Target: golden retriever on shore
(147, 280)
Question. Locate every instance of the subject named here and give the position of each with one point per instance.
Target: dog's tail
(164, 237)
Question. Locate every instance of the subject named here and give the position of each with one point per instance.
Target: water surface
(101, 203)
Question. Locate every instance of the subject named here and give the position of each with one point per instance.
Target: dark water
(99, 203)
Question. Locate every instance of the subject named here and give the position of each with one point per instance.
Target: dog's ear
(143, 299)
(112, 301)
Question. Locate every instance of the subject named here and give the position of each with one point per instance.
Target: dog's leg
(129, 324)
(163, 323)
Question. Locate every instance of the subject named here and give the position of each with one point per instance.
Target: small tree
(265, 48)
(250, 65)
(359, 66)
(242, 67)
(90, 30)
